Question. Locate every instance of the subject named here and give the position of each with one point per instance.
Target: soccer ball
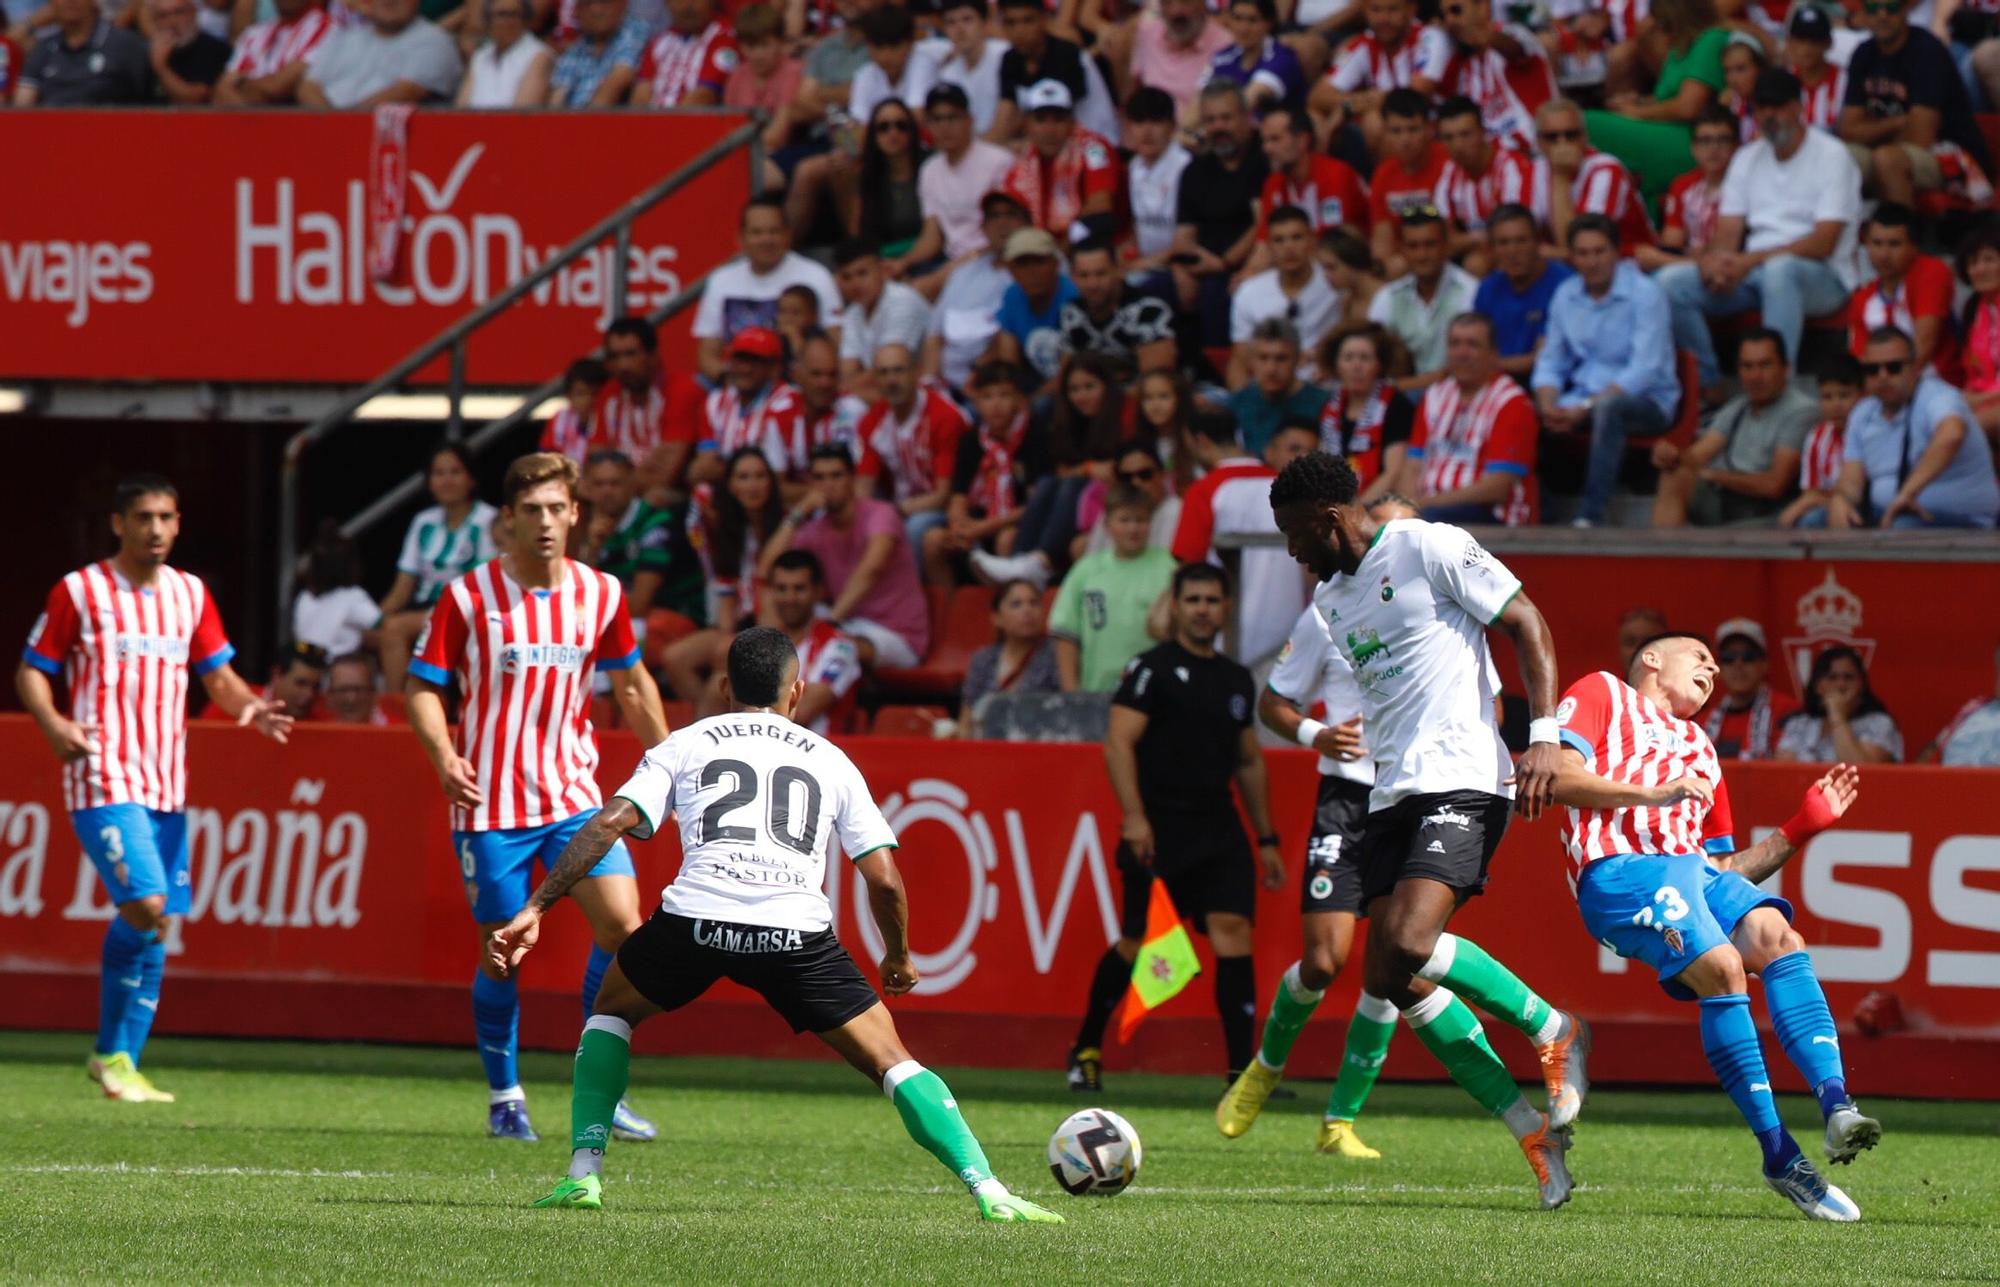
(1094, 1152)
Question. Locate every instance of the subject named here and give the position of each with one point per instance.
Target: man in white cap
(1068, 178)
(1743, 720)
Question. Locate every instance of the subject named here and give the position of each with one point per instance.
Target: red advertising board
(326, 903)
(1927, 631)
(233, 246)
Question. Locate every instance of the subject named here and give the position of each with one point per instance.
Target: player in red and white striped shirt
(1502, 67)
(1598, 182)
(523, 636)
(645, 412)
(123, 635)
(688, 64)
(1651, 845)
(270, 58)
(1472, 447)
(1479, 175)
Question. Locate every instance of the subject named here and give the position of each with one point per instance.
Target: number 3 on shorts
(114, 844)
(1672, 906)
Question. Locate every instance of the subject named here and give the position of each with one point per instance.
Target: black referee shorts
(1206, 864)
(1332, 878)
(1446, 836)
(806, 976)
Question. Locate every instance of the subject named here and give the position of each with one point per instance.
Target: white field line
(256, 1172)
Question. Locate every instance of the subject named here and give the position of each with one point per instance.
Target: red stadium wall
(233, 246)
(326, 905)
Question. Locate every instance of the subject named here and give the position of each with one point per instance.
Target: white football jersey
(1311, 667)
(758, 798)
(1412, 623)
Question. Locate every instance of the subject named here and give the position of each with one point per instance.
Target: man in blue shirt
(1915, 456)
(598, 70)
(1516, 293)
(1030, 314)
(1608, 360)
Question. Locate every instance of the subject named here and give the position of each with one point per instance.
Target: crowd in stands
(1039, 295)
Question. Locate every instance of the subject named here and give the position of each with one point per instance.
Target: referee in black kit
(1181, 728)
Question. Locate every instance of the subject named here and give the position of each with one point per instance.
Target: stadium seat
(679, 714)
(907, 721)
(960, 624)
(1688, 417)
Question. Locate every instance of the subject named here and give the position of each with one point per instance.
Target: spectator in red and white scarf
(993, 470)
(1066, 175)
(1840, 385)
(752, 408)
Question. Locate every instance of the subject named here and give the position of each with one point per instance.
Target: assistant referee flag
(1165, 964)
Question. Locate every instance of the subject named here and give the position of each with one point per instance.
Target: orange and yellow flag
(1165, 964)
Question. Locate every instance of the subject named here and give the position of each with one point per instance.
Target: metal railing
(1939, 545)
(616, 225)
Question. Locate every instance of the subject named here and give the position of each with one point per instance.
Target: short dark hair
(946, 94)
(831, 451)
(1424, 216)
(776, 205)
(1037, 5)
(1456, 106)
(1661, 637)
(637, 328)
(1597, 223)
(758, 22)
(760, 659)
(1266, 9)
(1511, 212)
(800, 561)
(585, 370)
(1138, 447)
(1763, 335)
(888, 24)
(1843, 368)
(134, 487)
(996, 371)
(1092, 246)
(1480, 320)
(1346, 245)
(1887, 334)
(977, 6)
(607, 456)
(854, 249)
(1717, 114)
(1316, 478)
(301, 653)
(1894, 214)
(1188, 574)
(1406, 103)
(1124, 496)
(1287, 214)
(1297, 119)
(1216, 424)
(1149, 103)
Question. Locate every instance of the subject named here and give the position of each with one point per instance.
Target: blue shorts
(498, 865)
(1666, 911)
(139, 852)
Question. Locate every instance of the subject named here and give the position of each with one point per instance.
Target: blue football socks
(119, 982)
(1729, 1039)
(145, 1005)
(496, 1017)
(593, 976)
(1805, 1027)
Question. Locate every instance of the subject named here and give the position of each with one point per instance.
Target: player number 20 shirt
(1412, 623)
(758, 798)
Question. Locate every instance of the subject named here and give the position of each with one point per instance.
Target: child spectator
(1819, 465)
(767, 78)
(1165, 402)
(1099, 620)
(996, 467)
(568, 431)
(1742, 59)
(797, 321)
(1808, 41)
(1689, 210)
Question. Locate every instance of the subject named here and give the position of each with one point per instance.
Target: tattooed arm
(508, 944)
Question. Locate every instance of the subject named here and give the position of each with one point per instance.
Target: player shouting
(1330, 891)
(124, 634)
(1650, 840)
(758, 798)
(1409, 603)
(524, 635)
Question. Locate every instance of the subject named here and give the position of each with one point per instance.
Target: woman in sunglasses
(885, 208)
(1843, 721)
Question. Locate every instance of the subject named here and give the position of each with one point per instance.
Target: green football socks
(1465, 967)
(1368, 1034)
(1449, 1030)
(603, 1065)
(1290, 1009)
(932, 1118)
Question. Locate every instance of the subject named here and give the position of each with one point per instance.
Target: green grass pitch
(291, 1162)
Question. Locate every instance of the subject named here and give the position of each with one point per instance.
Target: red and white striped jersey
(1333, 195)
(1467, 199)
(1458, 439)
(1625, 15)
(1508, 92)
(273, 45)
(839, 423)
(1692, 206)
(621, 421)
(567, 434)
(826, 656)
(919, 450)
(1626, 738)
(1602, 186)
(125, 652)
(1819, 463)
(1823, 101)
(769, 421)
(1367, 63)
(524, 661)
(678, 64)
